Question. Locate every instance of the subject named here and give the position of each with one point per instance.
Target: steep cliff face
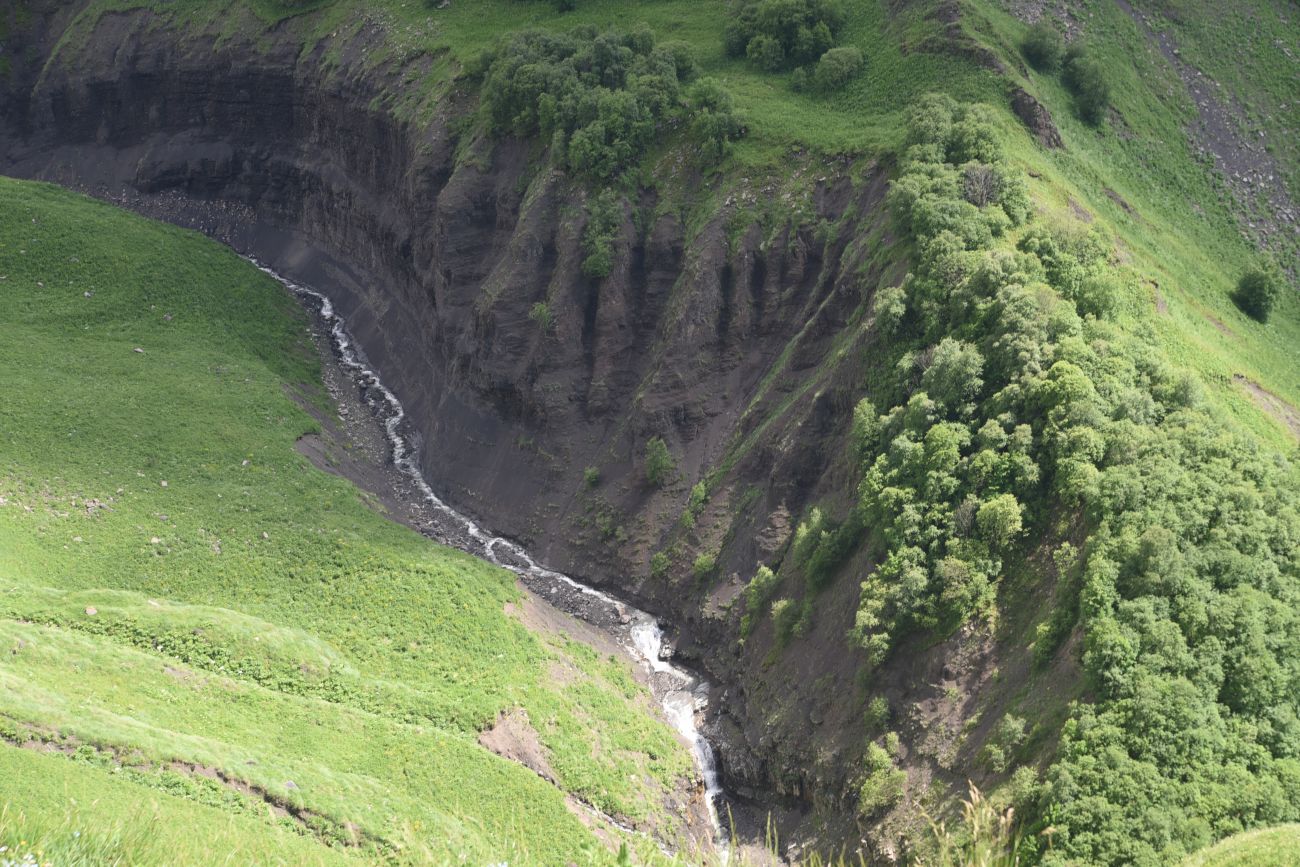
(739, 341)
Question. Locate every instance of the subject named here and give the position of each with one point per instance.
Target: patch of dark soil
(1122, 202)
(1220, 326)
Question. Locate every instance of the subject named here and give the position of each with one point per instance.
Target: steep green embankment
(1076, 458)
(214, 652)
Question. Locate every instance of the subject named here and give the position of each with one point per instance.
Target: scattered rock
(91, 610)
(138, 349)
(290, 784)
(155, 541)
(163, 483)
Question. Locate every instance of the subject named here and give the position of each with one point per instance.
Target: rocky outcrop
(740, 342)
(1036, 117)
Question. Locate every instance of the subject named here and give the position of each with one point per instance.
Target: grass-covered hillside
(1073, 451)
(214, 652)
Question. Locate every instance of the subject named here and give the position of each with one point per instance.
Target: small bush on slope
(1258, 291)
(1190, 595)
(1086, 79)
(1043, 46)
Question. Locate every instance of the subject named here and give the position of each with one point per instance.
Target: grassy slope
(1181, 233)
(252, 615)
(1270, 847)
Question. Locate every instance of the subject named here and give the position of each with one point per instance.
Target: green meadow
(204, 634)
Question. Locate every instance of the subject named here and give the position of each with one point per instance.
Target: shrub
(882, 787)
(890, 308)
(705, 564)
(541, 314)
(1087, 81)
(598, 236)
(591, 477)
(658, 462)
(837, 67)
(659, 564)
(757, 594)
(714, 122)
(1043, 46)
(765, 53)
(783, 617)
(1007, 735)
(1258, 291)
(877, 716)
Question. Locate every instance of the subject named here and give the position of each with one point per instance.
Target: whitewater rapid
(682, 695)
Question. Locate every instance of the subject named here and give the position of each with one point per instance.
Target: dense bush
(780, 34)
(714, 122)
(757, 594)
(882, 783)
(604, 216)
(658, 465)
(837, 67)
(599, 99)
(1015, 398)
(1258, 290)
(1043, 46)
(1086, 79)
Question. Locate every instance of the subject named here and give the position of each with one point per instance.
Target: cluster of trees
(798, 35)
(1017, 399)
(1045, 50)
(600, 99)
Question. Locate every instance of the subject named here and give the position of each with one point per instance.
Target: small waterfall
(682, 695)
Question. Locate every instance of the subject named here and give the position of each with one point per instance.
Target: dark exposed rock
(1036, 116)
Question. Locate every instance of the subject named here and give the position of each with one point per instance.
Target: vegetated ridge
(927, 435)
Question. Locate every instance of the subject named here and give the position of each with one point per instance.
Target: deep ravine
(682, 694)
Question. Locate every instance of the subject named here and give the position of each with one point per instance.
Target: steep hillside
(213, 647)
(908, 386)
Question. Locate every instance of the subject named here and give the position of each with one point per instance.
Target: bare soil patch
(1271, 403)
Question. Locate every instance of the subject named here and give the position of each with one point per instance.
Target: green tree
(999, 520)
(837, 67)
(658, 462)
(1258, 291)
(1043, 46)
(953, 376)
(1086, 79)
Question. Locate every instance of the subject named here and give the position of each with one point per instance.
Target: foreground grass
(200, 625)
(1268, 847)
